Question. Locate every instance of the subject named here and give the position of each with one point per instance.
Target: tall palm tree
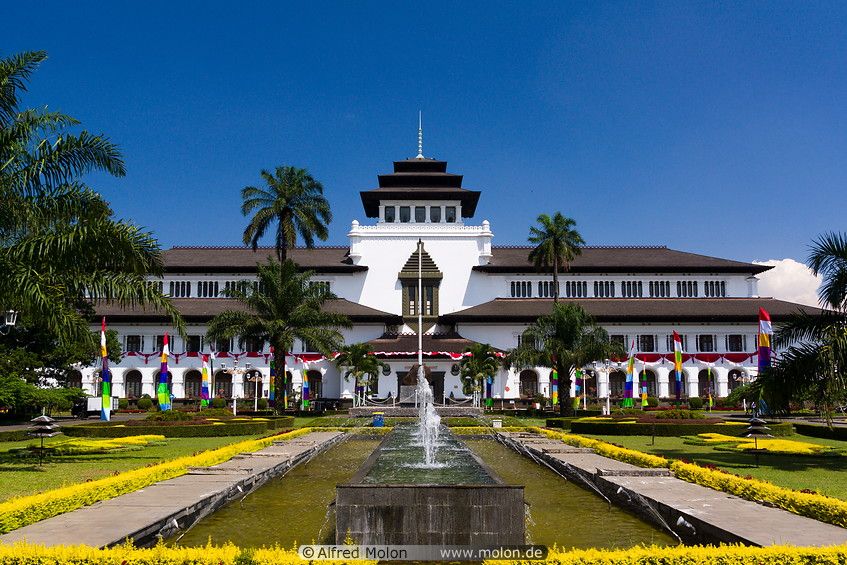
(60, 247)
(295, 201)
(566, 339)
(557, 243)
(357, 360)
(282, 307)
(813, 365)
(478, 366)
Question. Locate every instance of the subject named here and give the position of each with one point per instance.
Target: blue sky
(717, 128)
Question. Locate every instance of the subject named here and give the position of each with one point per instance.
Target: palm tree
(359, 362)
(813, 365)
(566, 339)
(60, 247)
(479, 365)
(557, 243)
(295, 201)
(280, 308)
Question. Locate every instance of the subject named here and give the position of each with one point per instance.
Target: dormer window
(390, 212)
(405, 214)
(450, 214)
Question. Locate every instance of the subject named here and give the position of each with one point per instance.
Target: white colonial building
(474, 291)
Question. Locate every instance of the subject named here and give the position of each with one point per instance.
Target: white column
(178, 383)
(238, 385)
(148, 384)
(691, 374)
(721, 380)
(663, 380)
(443, 214)
(381, 213)
(119, 382)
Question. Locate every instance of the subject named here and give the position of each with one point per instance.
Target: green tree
(358, 361)
(60, 247)
(566, 339)
(280, 308)
(557, 243)
(295, 201)
(813, 365)
(476, 367)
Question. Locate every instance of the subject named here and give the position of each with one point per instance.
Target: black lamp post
(43, 427)
(757, 429)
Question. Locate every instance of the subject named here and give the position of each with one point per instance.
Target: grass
(24, 476)
(822, 474)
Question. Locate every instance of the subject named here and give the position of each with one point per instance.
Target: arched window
(617, 381)
(705, 383)
(528, 384)
(315, 384)
(252, 388)
(223, 385)
(193, 383)
(647, 379)
(132, 384)
(74, 379)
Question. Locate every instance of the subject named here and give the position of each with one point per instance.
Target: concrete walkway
(168, 506)
(695, 513)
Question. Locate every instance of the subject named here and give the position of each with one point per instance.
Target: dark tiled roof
(656, 259)
(244, 259)
(414, 179)
(632, 309)
(393, 343)
(203, 309)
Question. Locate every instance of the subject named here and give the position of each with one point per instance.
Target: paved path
(694, 512)
(178, 503)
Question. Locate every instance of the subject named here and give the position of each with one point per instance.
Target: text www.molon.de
(422, 552)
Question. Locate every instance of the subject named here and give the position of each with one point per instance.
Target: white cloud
(789, 280)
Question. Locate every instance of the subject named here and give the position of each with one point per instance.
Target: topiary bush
(145, 403)
(169, 416)
(678, 414)
(695, 403)
(123, 404)
(262, 404)
(218, 403)
(652, 402)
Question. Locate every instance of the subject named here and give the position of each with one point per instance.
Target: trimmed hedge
(559, 423)
(197, 430)
(16, 435)
(813, 430)
(613, 428)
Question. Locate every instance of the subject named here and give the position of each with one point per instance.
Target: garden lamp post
(256, 378)
(10, 318)
(236, 371)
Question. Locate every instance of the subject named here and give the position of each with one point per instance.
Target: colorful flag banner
(204, 383)
(554, 387)
(163, 393)
(106, 377)
(677, 363)
(765, 333)
(489, 382)
(578, 376)
(643, 384)
(709, 385)
(305, 389)
(272, 387)
(630, 377)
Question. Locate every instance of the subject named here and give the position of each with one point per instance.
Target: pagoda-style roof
(420, 179)
(633, 310)
(620, 259)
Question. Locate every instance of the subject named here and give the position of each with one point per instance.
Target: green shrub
(218, 403)
(169, 416)
(123, 404)
(652, 402)
(145, 403)
(262, 404)
(678, 414)
(198, 430)
(632, 428)
(559, 423)
(16, 435)
(695, 403)
(280, 422)
(813, 430)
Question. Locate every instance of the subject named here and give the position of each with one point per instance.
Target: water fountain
(429, 421)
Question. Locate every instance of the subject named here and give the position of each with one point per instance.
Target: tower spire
(420, 136)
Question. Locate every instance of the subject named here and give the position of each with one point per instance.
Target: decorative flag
(577, 389)
(630, 377)
(305, 389)
(644, 387)
(677, 363)
(163, 394)
(554, 387)
(709, 384)
(106, 377)
(272, 387)
(204, 387)
(765, 333)
(489, 381)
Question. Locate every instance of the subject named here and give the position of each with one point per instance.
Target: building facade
(473, 291)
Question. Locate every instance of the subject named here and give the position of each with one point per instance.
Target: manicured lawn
(24, 476)
(825, 475)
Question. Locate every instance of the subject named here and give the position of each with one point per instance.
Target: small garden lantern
(43, 427)
(757, 429)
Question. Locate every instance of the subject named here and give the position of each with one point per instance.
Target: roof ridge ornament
(420, 136)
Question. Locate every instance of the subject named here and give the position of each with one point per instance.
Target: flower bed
(171, 429)
(85, 446)
(608, 450)
(28, 554)
(664, 427)
(18, 512)
(771, 446)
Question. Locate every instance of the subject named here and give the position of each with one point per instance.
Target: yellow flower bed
(27, 554)
(772, 445)
(816, 506)
(607, 449)
(483, 430)
(19, 512)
